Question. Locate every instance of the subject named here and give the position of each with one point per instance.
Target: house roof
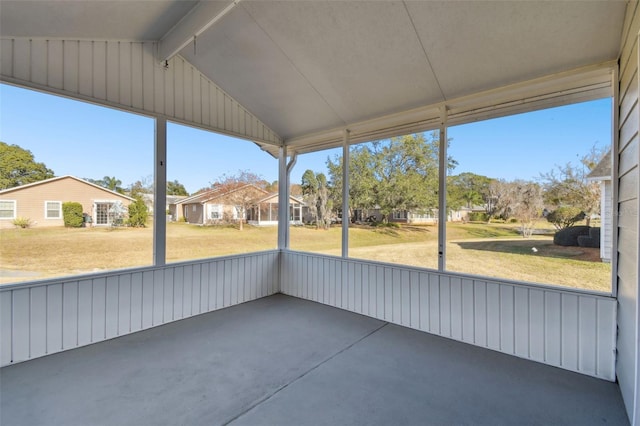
(305, 73)
(46, 181)
(212, 194)
(602, 171)
(275, 195)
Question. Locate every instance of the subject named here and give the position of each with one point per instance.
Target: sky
(89, 141)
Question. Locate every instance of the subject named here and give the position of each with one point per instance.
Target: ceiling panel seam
(313, 87)
(424, 50)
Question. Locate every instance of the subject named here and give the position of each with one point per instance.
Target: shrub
(564, 217)
(138, 213)
(478, 217)
(22, 222)
(569, 236)
(587, 241)
(72, 214)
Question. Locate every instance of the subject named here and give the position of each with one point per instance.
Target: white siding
(45, 318)
(606, 225)
(627, 210)
(567, 329)
(126, 75)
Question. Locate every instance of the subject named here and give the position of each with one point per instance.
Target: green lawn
(494, 250)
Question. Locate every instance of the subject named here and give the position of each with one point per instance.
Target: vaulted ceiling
(314, 67)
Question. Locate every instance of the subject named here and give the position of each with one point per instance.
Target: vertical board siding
(41, 319)
(627, 213)
(126, 74)
(566, 329)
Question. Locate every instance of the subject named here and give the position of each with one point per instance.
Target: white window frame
(15, 209)
(46, 210)
(399, 214)
(217, 209)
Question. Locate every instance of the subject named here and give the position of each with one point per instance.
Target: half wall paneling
(568, 329)
(43, 318)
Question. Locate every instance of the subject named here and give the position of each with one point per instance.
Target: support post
(283, 198)
(160, 196)
(442, 191)
(345, 195)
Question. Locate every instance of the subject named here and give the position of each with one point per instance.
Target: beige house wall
(30, 199)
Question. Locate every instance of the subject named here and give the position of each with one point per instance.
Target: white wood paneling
(44, 318)
(564, 328)
(627, 366)
(126, 75)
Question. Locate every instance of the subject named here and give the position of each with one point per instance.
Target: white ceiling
(309, 66)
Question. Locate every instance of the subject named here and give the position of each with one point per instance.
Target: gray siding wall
(126, 74)
(567, 329)
(45, 318)
(627, 210)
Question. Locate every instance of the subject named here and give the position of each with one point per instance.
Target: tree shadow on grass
(533, 248)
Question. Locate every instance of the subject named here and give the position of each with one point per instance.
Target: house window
(215, 211)
(400, 214)
(53, 209)
(7, 209)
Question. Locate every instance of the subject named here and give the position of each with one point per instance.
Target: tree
(111, 183)
(242, 191)
(315, 190)
(18, 167)
(564, 217)
(567, 186)
(396, 174)
(138, 213)
(518, 199)
(176, 188)
(468, 189)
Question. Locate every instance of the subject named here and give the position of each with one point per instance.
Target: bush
(592, 240)
(138, 213)
(564, 217)
(72, 214)
(22, 222)
(478, 217)
(569, 236)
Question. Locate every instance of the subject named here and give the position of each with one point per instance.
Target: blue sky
(89, 141)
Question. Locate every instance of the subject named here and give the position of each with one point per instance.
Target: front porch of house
(283, 360)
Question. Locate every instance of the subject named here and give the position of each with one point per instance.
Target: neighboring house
(220, 205)
(265, 212)
(602, 174)
(170, 205)
(41, 202)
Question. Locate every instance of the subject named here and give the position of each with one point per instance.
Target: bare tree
(241, 190)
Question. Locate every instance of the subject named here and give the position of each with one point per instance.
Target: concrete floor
(286, 361)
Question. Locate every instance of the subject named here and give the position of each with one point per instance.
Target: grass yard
(494, 250)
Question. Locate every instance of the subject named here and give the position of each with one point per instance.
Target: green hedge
(72, 214)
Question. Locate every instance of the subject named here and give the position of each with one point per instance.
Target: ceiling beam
(197, 21)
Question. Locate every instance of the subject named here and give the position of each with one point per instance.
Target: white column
(283, 197)
(442, 191)
(160, 196)
(345, 195)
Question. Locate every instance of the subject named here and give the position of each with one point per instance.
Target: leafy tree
(176, 188)
(567, 186)
(315, 190)
(518, 199)
(18, 167)
(138, 213)
(239, 192)
(564, 217)
(109, 182)
(396, 174)
(468, 189)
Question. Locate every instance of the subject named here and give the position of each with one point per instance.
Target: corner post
(283, 200)
(160, 196)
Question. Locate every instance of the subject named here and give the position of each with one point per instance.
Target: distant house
(41, 202)
(426, 216)
(602, 174)
(220, 205)
(170, 205)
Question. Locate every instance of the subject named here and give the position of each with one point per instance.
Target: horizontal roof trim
(579, 85)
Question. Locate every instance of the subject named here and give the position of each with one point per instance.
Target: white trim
(46, 210)
(15, 209)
